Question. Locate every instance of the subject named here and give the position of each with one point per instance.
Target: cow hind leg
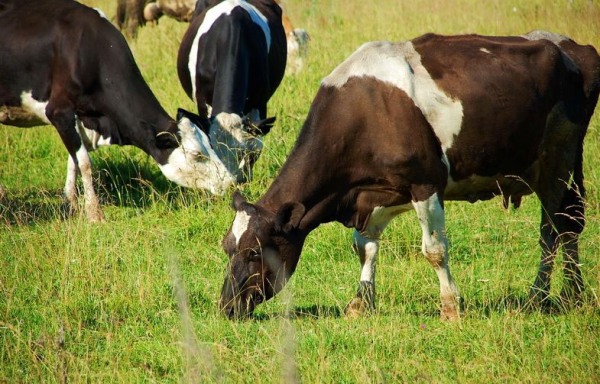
(561, 192)
(435, 249)
(574, 221)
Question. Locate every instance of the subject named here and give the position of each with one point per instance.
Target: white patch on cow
(485, 50)
(367, 248)
(240, 225)
(101, 13)
(545, 35)
(380, 217)
(224, 8)
(431, 218)
(367, 241)
(399, 65)
(36, 107)
(195, 164)
(435, 249)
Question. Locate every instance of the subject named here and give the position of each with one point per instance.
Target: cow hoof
(96, 217)
(356, 308)
(571, 297)
(450, 310)
(538, 299)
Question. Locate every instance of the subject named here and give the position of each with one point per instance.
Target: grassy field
(134, 299)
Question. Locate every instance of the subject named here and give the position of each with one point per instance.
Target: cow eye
(254, 255)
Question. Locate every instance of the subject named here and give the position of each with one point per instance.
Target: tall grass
(134, 299)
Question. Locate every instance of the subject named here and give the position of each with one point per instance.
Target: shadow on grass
(514, 304)
(312, 311)
(118, 182)
(31, 206)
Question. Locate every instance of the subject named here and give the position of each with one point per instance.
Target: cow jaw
(250, 281)
(194, 164)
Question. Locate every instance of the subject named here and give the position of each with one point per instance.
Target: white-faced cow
(409, 125)
(62, 63)
(231, 61)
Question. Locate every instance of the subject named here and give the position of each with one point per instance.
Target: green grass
(134, 299)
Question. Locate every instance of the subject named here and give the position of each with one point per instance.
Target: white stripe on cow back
(399, 64)
(224, 8)
(240, 225)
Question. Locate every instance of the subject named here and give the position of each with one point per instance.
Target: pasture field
(134, 299)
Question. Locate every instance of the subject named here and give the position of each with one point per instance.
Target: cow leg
(573, 284)
(561, 192)
(435, 248)
(70, 191)
(65, 122)
(540, 290)
(367, 249)
(570, 226)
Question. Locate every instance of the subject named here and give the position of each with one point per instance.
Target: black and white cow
(132, 14)
(409, 125)
(64, 64)
(231, 60)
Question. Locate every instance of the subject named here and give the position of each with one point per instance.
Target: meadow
(134, 299)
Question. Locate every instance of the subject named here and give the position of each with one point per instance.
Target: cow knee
(434, 249)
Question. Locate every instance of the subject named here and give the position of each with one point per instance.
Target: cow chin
(240, 296)
(192, 171)
(194, 164)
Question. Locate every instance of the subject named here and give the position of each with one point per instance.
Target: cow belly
(19, 117)
(477, 188)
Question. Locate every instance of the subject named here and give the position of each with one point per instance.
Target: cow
(132, 14)
(410, 125)
(230, 62)
(64, 64)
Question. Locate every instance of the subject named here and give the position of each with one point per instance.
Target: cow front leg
(66, 123)
(365, 296)
(435, 248)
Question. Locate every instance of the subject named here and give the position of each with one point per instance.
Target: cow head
(192, 162)
(238, 142)
(263, 249)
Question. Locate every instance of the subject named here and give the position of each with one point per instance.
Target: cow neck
(311, 191)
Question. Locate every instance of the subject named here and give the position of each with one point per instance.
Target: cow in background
(231, 60)
(410, 125)
(64, 64)
(132, 14)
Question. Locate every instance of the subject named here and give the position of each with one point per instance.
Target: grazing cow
(230, 62)
(132, 14)
(62, 63)
(400, 126)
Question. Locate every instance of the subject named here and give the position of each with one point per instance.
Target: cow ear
(264, 126)
(201, 122)
(288, 217)
(259, 128)
(238, 201)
